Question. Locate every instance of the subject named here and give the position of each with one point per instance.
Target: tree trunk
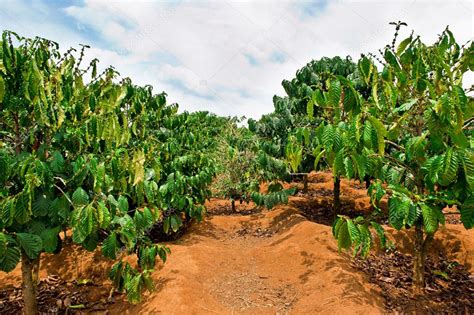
(419, 259)
(35, 272)
(29, 287)
(305, 183)
(337, 193)
(233, 205)
(418, 262)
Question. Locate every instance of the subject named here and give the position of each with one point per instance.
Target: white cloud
(230, 57)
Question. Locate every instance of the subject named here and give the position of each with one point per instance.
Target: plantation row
(114, 163)
(109, 160)
(402, 122)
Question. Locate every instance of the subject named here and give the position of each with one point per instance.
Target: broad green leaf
(80, 197)
(430, 218)
(334, 93)
(31, 244)
(10, 259)
(343, 237)
(398, 211)
(406, 106)
(123, 204)
(110, 246)
(467, 212)
(381, 133)
(403, 44)
(50, 239)
(353, 231)
(3, 243)
(175, 222)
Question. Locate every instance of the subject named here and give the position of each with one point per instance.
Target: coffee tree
(290, 115)
(187, 164)
(246, 162)
(236, 157)
(78, 156)
(422, 130)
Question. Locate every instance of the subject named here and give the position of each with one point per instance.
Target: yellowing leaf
(138, 162)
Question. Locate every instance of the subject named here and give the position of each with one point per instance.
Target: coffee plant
(245, 163)
(78, 151)
(417, 120)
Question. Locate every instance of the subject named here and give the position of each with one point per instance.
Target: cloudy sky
(228, 57)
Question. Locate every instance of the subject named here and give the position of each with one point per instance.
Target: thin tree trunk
(337, 194)
(419, 259)
(233, 205)
(418, 262)
(35, 272)
(29, 287)
(305, 183)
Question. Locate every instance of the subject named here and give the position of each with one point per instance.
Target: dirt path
(267, 263)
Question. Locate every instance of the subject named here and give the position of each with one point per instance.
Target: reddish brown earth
(253, 262)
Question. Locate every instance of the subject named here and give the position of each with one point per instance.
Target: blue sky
(228, 57)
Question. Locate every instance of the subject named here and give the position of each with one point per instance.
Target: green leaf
(349, 167)
(103, 215)
(166, 224)
(467, 212)
(111, 246)
(138, 162)
(80, 197)
(318, 97)
(343, 237)
(334, 93)
(403, 44)
(450, 168)
(468, 165)
(398, 211)
(406, 106)
(414, 214)
(10, 259)
(30, 243)
(391, 59)
(175, 222)
(328, 137)
(351, 100)
(381, 133)
(41, 205)
(310, 109)
(123, 204)
(338, 168)
(430, 218)
(336, 226)
(3, 243)
(91, 241)
(50, 239)
(365, 68)
(353, 231)
(57, 163)
(133, 289)
(21, 208)
(4, 166)
(87, 220)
